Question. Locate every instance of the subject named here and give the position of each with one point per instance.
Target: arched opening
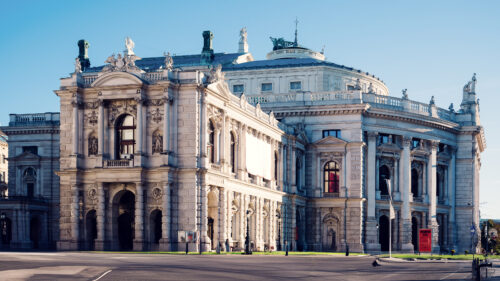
(330, 232)
(383, 235)
(125, 137)
(6, 231)
(298, 230)
(414, 182)
(332, 239)
(125, 220)
(35, 232)
(155, 228)
(91, 229)
(278, 230)
(213, 218)
(384, 174)
(232, 153)
(414, 233)
(210, 142)
(210, 230)
(29, 178)
(331, 177)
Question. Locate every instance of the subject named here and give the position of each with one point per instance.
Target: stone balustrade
(350, 97)
(32, 119)
(118, 163)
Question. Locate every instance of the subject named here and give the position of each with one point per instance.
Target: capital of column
(139, 100)
(167, 98)
(406, 141)
(434, 144)
(372, 136)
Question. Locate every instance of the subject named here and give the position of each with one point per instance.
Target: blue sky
(430, 47)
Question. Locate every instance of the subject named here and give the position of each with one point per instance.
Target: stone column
(204, 217)
(75, 128)
(139, 217)
(407, 246)
(371, 222)
(75, 217)
(100, 129)
(99, 242)
(243, 219)
(222, 218)
(229, 216)
(203, 125)
(139, 126)
(165, 226)
(293, 160)
(166, 123)
(222, 142)
(451, 197)
(431, 184)
(242, 166)
(258, 224)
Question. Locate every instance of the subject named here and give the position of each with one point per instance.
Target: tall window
(382, 184)
(297, 173)
(31, 149)
(210, 142)
(29, 178)
(125, 137)
(233, 154)
(414, 182)
(331, 177)
(276, 165)
(332, 133)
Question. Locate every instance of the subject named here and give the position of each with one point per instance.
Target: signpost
(425, 240)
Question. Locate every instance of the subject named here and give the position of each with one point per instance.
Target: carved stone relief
(118, 107)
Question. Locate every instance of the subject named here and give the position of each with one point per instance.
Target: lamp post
(247, 238)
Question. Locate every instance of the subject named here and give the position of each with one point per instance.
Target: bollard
(347, 251)
(187, 248)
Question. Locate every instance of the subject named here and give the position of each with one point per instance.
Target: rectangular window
(297, 85)
(238, 88)
(332, 133)
(266, 87)
(32, 149)
(384, 138)
(415, 143)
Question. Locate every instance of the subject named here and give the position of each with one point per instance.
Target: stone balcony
(121, 163)
(297, 99)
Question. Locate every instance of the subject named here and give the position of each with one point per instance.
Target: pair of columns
(405, 186)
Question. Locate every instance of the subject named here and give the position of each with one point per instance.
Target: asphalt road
(108, 266)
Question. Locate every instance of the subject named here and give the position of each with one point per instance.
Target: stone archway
(414, 233)
(90, 229)
(383, 235)
(213, 218)
(155, 229)
(123, 220)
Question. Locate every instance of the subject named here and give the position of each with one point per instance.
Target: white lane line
(102, 275)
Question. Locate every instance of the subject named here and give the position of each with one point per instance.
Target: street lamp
(247, 238)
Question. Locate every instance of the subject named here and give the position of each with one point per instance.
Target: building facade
(296, 150)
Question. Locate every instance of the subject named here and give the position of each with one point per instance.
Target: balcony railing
(118, 163)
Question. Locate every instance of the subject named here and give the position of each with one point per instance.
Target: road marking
(102, 275)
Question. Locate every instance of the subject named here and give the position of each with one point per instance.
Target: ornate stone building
(299, 151)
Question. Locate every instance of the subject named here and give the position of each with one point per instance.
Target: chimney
(83, 55)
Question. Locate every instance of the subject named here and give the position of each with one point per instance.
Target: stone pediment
(330, 141)
(25, 156)
(117, 79)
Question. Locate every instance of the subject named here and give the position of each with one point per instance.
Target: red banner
(425, 240)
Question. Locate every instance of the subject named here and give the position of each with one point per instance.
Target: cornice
(417, 119)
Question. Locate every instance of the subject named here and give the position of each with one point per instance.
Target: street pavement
(134, 266)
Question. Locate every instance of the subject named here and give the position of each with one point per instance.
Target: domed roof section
(283, 49)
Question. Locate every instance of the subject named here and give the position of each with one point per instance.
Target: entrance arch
(124, 213)
(331, 228)
(90, 229)
(383, 236)
(5, 232)
(213, 218)
(155, 229)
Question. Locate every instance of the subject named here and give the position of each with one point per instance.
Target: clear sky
(430, 47)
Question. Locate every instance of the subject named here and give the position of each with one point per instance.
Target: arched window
(29, 178)
(297, 173)
(232, 153)
(331, 177)
(276, 165)
(383, 174)
(125, 137)
(414, 182)
(210, 142)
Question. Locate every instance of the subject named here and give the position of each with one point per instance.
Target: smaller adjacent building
(29, 210)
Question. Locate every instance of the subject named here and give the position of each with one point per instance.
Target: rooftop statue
(281, 43)
(216, 74)
(405, 94)
(432, 100)
(125, 63)
(243, 34)
(358, 85)
(129, 45)
(169, 62)
(78, 65)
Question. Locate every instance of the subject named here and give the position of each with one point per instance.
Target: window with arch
(384, 174)
(29, 178)
(331, 177)
(297, 173)
(125, 136)
(414, 182)
(276, 165)
(232, 153)
(210, 142)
